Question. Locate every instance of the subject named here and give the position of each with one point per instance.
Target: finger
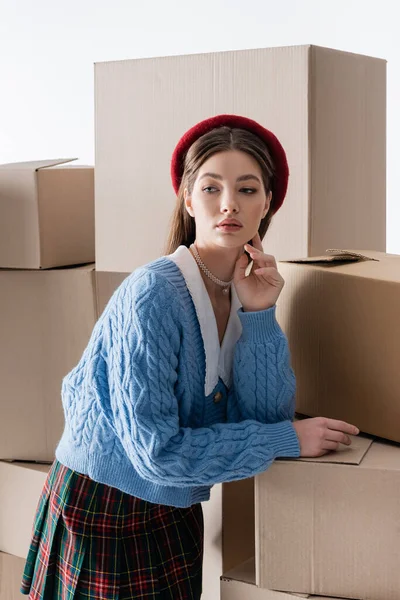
(240, 268)
(327, 445)
(270, 274)
(338, 436)
(342, 426)
(260, 256)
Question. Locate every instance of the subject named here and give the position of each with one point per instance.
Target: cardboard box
(46, 318)
(329, 526)
(240, 584)
(343, 324)
(11, 570)
(20, 487)
(46, 214)
(238, 535)
(327, 107)
(106, 284)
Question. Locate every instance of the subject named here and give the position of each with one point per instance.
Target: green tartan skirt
(94, 542)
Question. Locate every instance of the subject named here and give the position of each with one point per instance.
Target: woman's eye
(248, 190)
(209, 189)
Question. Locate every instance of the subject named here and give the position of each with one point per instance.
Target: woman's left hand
(259, 290)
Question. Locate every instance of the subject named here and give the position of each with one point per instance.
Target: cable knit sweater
(157, 409)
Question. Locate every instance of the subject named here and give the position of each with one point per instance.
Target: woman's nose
(229, 202)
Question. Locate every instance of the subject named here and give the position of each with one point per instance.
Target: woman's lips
(229, 228)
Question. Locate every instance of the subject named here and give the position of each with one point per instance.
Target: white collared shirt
(219, 358)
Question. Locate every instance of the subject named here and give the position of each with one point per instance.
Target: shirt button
(217, 397)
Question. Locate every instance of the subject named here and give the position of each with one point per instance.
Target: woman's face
(228, 186)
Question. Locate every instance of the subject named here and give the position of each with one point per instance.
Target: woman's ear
(188, 202)
(267, 204)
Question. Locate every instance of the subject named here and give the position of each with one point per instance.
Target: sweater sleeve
(264, 385)
(143, 352)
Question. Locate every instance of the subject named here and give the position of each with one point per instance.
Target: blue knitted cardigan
(153, 410)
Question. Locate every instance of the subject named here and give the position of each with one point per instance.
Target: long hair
(183, 228)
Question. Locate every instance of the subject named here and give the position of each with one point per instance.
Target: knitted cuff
(259, 326)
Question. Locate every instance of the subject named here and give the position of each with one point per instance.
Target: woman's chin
(234, 240)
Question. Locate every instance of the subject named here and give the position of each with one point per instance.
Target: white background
(47, 51)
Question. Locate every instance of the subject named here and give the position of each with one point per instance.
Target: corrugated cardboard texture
(327, 107)
(20, 487)
(343, 326)
(46, 318)
(348, 181)
(331, 529)
(239, 584)
(46, 214)
(11, 569)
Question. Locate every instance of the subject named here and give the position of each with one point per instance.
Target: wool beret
(278, 155)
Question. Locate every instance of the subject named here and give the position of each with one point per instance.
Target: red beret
(275, 148)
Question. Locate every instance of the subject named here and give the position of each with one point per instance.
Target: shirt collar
(219, 359)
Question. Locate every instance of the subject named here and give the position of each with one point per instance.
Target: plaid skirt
(91, 541)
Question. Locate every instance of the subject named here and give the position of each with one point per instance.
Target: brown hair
(221, 139)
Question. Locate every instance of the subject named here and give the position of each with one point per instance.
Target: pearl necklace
(224, 284)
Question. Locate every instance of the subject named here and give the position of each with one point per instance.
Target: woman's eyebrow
(213, 175)
(247, 177)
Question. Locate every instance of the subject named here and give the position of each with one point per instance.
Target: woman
(186, 382)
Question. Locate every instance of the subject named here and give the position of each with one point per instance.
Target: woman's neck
(220, 261)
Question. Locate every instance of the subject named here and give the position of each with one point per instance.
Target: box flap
(334, 256)
(35, 165)
(346, 455)
(383, 455)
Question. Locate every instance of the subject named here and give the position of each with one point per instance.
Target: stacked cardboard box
(47, 311)
(240, 584)
(329, 110)
(329, 526)
(337, 516)
(341, 314)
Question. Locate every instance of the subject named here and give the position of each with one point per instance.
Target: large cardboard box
(327, 107)
(20, 487)
(329, 526)
(46, 318)
(240, 584)
(343, 324)
(11, 570)
(46, 214)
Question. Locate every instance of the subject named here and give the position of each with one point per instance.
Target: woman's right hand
(320, 435)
